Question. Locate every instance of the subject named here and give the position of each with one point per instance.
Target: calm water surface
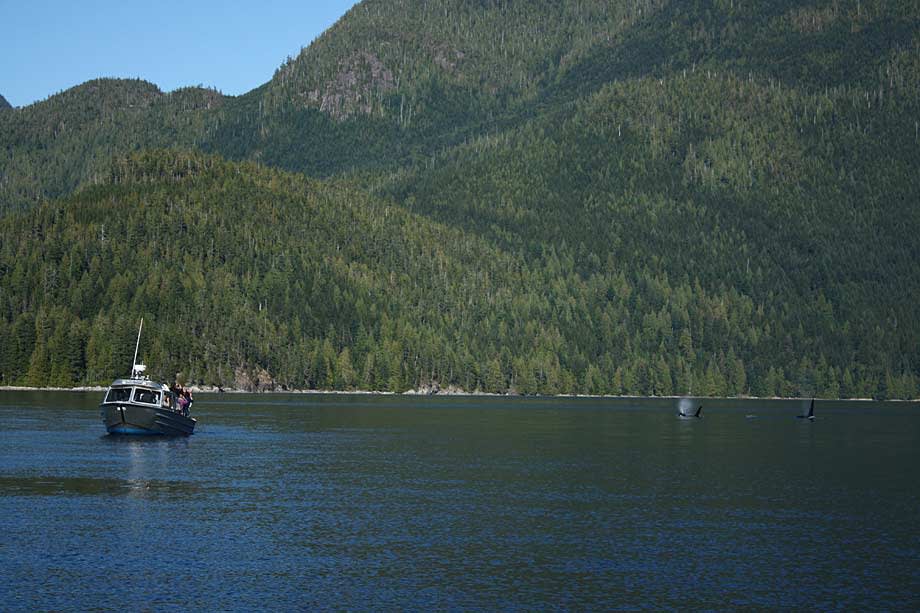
(358, 502)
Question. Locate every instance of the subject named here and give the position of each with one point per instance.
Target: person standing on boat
(182, 400)
(187, 395)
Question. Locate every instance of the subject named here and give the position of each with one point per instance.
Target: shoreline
(444, 393)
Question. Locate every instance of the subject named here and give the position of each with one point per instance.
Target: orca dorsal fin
(811, 412)
(699, 411)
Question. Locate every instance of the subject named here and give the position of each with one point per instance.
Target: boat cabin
(141, 392)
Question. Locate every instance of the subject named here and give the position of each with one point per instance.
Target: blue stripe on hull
(126, 429)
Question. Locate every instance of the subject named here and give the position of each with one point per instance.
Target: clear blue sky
(47, 46)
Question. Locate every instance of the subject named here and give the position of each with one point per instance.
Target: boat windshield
(119, 394)
(146, 396)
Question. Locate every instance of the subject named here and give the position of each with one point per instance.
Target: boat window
(146, 396)
(119, 394)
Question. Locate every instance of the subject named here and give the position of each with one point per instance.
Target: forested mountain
(4, 104)
(709, 197)
(70, 138)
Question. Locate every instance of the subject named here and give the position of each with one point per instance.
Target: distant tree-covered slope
(239, 270)
(393, 82)
(248, 276)
(813, 45)
(4, 104)
(412, 78)
(805, 203)
(52, 146)
(396, 82)
(385, 57)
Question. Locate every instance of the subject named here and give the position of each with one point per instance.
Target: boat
(137, 405)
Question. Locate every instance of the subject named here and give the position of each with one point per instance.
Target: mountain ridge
(423, 101)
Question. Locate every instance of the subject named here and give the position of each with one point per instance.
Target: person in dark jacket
(187, 396)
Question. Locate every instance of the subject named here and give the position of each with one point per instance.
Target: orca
(698, 414)
(811, 412)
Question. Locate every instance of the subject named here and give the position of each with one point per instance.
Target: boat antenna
(136, 347)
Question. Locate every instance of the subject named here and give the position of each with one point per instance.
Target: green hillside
(244, 272)
(239, 269)
(812, 223)
(395, 82)
(814, 45)
(4, 104)
(54, 145)
(546, 197)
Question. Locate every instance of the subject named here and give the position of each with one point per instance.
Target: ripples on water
(303, 502)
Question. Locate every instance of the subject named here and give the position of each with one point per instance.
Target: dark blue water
(305, 502)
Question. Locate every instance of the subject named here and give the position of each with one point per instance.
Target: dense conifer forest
(647, 197)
